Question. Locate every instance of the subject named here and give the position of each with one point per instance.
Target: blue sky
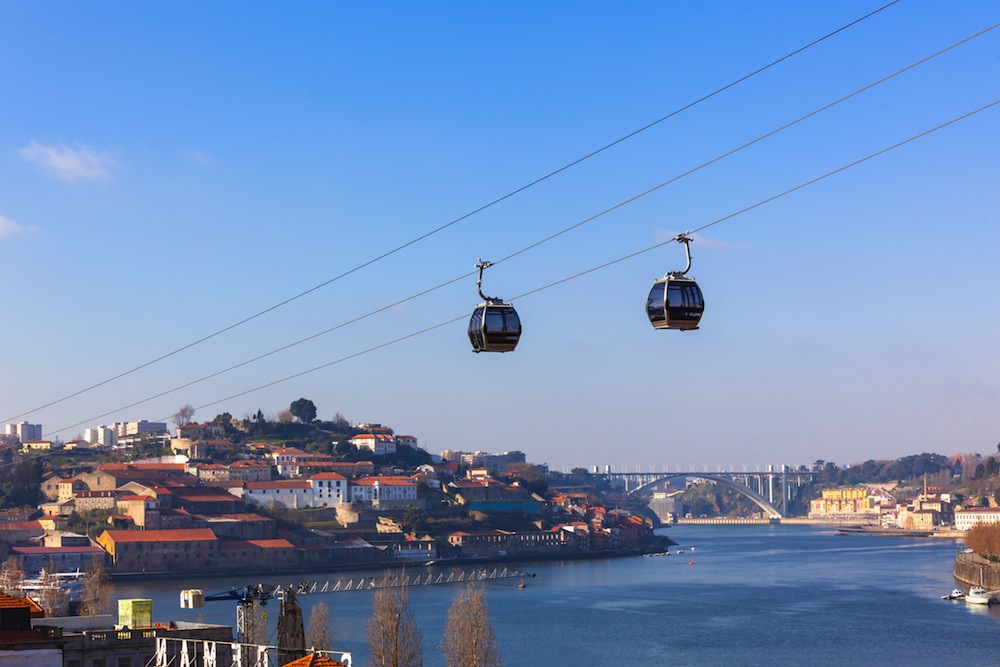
(168, 169)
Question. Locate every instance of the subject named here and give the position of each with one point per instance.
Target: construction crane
(247, 599)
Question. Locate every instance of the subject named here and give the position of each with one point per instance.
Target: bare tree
(285, 417)
(319, 634)
(51, 596)
(255, 623)
(468, 634)
(393, 638)
(12, 577)
(183, 415)
(96, 592)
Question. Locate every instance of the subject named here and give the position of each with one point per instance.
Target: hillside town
(297, 495)
(212, 501)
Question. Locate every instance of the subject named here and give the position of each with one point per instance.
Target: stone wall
(974, 570)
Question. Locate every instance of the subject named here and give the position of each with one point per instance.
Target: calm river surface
(754, 595)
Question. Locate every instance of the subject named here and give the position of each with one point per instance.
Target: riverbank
(844, 526)
(974, 570)
(462, 562)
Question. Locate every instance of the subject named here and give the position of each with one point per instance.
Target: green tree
(413, 518)
(20, 485)
(992, 467)
(304, 410)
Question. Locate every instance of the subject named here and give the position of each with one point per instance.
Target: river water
(753, 595)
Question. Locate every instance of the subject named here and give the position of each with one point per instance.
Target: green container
(135, 613)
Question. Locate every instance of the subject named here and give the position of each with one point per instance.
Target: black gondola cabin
(675, 302)
(494, 327)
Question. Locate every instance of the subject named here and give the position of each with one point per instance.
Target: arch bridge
(780, 486)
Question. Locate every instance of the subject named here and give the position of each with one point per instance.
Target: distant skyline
(169, 171)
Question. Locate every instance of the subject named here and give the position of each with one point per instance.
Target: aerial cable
(259, 357)
(559, 233)
(746, 145)
(457, 220)
(599, 267)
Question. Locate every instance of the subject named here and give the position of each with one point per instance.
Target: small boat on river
(978, 595)
(956, 594)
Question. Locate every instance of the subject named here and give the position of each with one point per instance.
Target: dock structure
(403, 580)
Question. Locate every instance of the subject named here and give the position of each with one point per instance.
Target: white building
(384, 492)
(293, 494)
(406, 441)
(139, 427)
(967, 518)
(104, 436)
(24, 431)
(329, 489)
(378, 443)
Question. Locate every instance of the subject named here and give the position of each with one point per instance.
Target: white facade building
(292, 494)
(139, 427)
(378, 443)
(967, 518)
(102, 435)
(406, 441)
(384, 492)
(24, 431)
(329, 489)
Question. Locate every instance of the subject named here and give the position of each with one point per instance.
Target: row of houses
(929, 510)
(329, 489)
(595, 530)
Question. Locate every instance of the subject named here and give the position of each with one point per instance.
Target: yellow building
(845, 501)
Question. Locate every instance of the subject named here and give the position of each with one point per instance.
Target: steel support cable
(259, 357)
(557, 234)
(749, 143)
(605, 265)
(457, 220)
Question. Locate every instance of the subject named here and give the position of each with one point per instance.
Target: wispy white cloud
(196, 156)
(8, 227)
(68, 163)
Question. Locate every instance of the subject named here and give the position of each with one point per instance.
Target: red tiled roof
(272, 544)
(203, 493)
(56, 550)
(172, 535)
(279, 484)
(151, 467)
(328, 475)
(11, 602)
(979, 509)
(94, 494)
